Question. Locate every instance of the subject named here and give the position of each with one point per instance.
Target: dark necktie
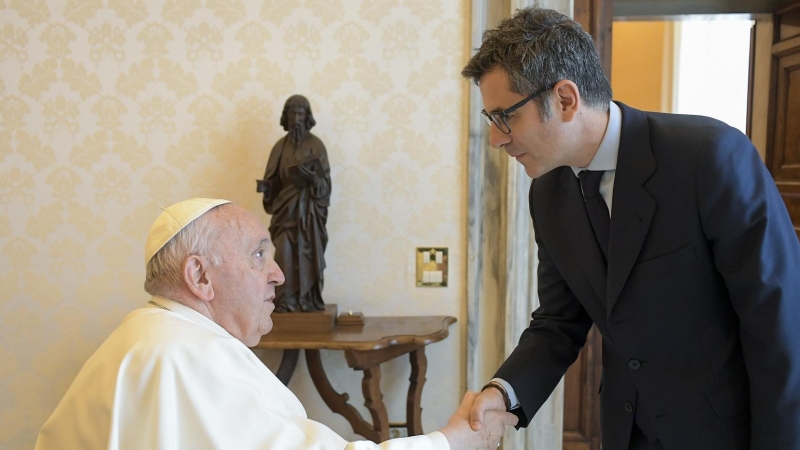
(596, 207)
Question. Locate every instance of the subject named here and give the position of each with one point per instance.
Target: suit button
(634, 364)
(628, 407)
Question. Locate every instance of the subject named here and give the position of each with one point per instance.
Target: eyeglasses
(499, 118)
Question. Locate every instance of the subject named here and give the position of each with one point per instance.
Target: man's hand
(489, 400)
(460, 436)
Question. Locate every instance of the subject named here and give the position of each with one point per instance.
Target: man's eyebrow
(263, 243)
(500, 109)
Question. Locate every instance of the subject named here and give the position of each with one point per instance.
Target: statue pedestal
(305, 321)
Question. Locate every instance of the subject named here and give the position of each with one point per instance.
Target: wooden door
(783, 145)
(581, 399)
(582, 381)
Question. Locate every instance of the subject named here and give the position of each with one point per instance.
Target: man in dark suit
(666, 231)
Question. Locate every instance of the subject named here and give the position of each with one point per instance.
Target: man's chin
(535, 170)
(532, 172)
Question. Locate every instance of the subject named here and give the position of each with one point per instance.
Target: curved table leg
(419, 364)
(288, 363)
(373, 400)
(378, 432)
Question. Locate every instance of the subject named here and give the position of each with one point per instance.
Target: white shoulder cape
(177, 380)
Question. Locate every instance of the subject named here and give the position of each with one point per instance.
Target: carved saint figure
(297, 192)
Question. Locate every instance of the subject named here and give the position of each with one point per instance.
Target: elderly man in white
(178, 373)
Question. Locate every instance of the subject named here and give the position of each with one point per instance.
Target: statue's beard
(297, 132)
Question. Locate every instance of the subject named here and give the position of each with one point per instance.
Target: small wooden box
(350, 319)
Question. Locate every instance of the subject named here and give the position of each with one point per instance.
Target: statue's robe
(299, 210)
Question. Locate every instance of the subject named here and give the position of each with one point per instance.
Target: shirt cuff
(438, 440)
(512, 397)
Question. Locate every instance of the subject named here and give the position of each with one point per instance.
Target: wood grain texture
(783, 145)
(419, 365)
(377, 333)
(365, 348)
(581, 400)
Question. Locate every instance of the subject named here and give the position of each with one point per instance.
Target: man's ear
(195, 275)
(568, 99)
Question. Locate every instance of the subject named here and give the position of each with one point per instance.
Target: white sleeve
(142, 390)
(235, 403)
(433, 441)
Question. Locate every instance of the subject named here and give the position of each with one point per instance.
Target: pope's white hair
(164, 271)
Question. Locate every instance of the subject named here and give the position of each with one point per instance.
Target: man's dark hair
(538, 48)
(297, 100)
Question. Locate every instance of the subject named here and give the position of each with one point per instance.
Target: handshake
(479, 422)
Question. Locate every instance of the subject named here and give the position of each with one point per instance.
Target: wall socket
(432, 266)
(397, 431)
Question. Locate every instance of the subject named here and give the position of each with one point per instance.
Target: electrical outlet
(432, 266)
(397, 431)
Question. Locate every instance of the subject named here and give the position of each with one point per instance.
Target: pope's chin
(266, 326)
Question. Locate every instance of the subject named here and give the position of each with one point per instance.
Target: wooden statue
(297, 192)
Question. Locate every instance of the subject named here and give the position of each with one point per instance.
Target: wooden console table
(365, 348)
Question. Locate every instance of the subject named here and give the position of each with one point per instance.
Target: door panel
(783, 147)
(581, 399)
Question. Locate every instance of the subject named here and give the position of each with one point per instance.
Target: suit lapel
(633, 207)
(576, 223)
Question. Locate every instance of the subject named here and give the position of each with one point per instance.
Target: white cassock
(177, 380)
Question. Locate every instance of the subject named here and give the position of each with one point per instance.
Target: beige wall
(641, 64)
(111, 109)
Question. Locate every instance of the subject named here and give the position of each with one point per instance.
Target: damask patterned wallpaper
(113, 108)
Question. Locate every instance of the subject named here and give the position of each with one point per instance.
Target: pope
(178, 372)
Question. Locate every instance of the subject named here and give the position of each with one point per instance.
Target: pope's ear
(568, 99)
(195, 276)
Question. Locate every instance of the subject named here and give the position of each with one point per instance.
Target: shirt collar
(606, 156)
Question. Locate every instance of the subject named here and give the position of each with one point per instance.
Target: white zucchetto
(173, 219)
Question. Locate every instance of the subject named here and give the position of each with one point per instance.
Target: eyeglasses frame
(490, 118)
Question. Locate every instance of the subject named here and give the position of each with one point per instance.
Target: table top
(377, 333)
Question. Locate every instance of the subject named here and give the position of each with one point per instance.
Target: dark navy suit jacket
(699, 307)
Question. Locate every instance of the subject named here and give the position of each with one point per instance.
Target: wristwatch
(499, 387)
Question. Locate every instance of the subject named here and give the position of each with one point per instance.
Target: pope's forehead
(242, 224)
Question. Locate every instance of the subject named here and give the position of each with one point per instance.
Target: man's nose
(497, 138)
(275, 274)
